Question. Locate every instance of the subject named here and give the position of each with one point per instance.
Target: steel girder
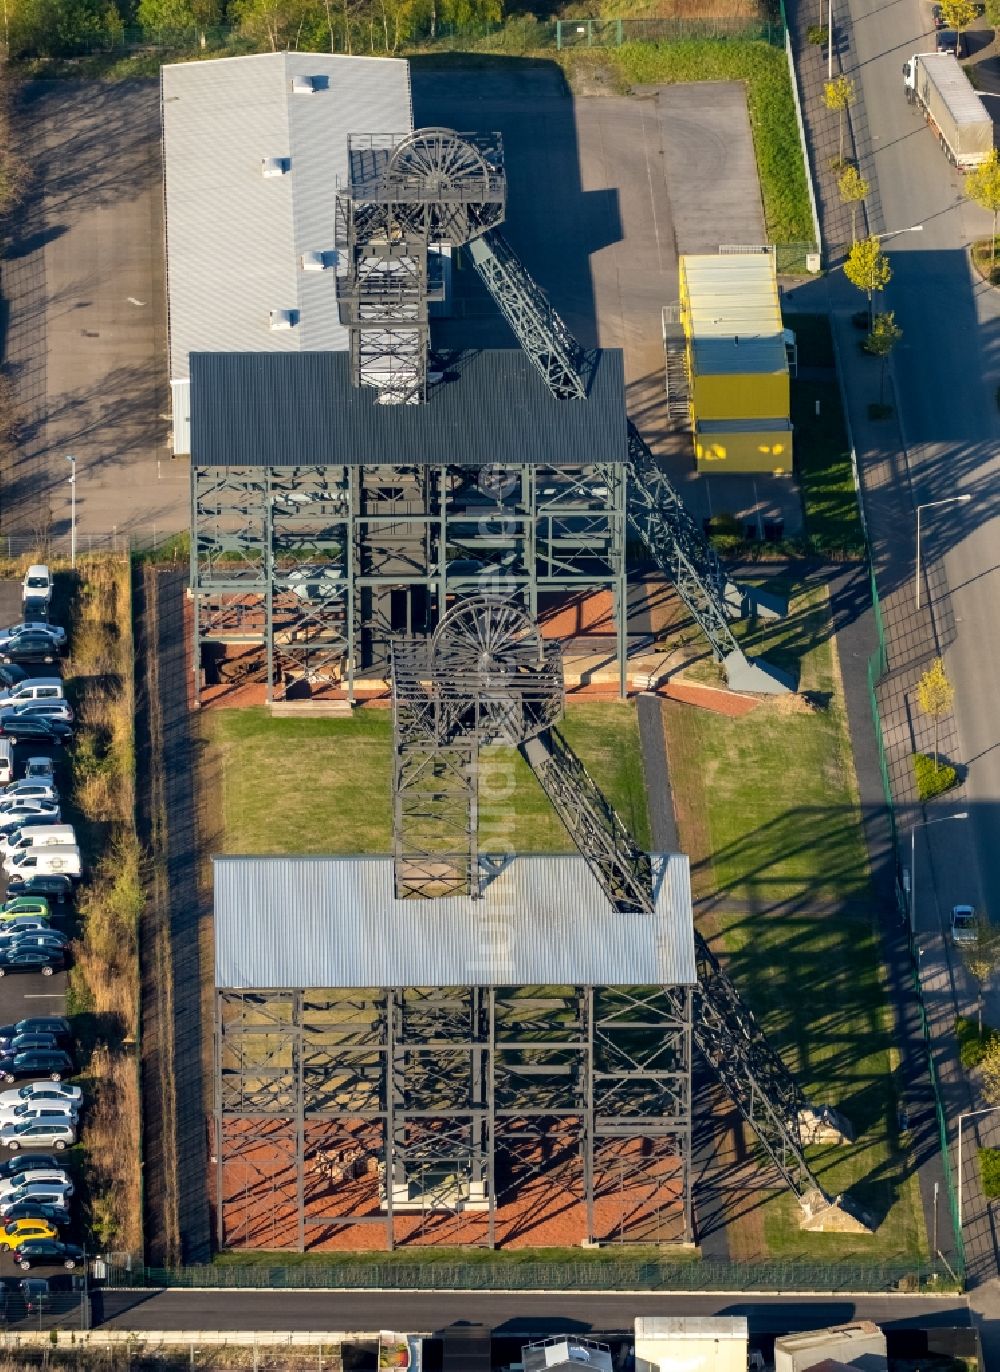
(344, 1107)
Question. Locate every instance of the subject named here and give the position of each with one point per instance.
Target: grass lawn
(768, 810)
(822, 448)
(345, 765)
(421, 1257)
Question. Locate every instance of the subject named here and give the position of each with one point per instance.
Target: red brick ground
(637, 1195)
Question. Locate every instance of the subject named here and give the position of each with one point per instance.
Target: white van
(39, 836)
(34, 688)
(37, 583)
(61, 860)
(6, 762)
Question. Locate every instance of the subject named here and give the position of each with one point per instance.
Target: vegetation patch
(933, 778)
(103, 979)
(768, 810)
(987, 261)
(989, 1167)
(323, 785)
(972, 1044)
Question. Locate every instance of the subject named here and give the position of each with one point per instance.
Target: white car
(28, 811)
(40, 769)
(57, 634)
(43, 1090)
(51, 709)
(316, 581)
(37, 583)
(21, 925)
(52, 1178)
(40, 1133)
(964, 924)
(27, 790)
(40, 1111)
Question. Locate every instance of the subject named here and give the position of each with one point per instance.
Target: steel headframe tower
(496, 681)
(436, 187)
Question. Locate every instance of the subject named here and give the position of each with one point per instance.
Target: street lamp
(967, 1114)
(72, 510)
(932, 505)
(914, 228)
(923, 824)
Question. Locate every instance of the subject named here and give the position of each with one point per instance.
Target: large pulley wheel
(439, 161)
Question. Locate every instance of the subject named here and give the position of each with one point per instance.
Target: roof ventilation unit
(303, 85)
(274, 166)
(314, 261)
(283, 319)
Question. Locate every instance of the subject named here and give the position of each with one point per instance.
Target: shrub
(972, 1045)
(818, 34)
(932, 779)
(989, 1166)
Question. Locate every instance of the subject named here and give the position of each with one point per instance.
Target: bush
(989, 1166)
(972, 1045)
(932, 779)
(818, 34)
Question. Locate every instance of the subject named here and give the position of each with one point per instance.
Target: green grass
(769, 812)
(971, 1044)
(421, 1257)
(344, 766)
(769, 99)
(822, 448)
(989, 1166)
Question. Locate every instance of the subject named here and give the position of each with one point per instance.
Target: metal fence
(41, 547)
(539, 1276)
(608, 33)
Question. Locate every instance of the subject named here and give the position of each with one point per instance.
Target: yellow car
(20, 1231)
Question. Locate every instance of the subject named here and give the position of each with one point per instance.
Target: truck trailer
(936, 83)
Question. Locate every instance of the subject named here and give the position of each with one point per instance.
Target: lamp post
(923, 824)
(914, 228)
(72, 510)
(966, 1115)
(932, 505)
(829, 40)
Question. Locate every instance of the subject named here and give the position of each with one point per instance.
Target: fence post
(618, 31)
(559, 24)
(590, 33)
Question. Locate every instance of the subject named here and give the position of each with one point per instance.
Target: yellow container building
(737, 363)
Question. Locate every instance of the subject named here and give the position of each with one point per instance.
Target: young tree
(982, 186)
(885, 334)
(935, 696)
(981, 958)
(853, 189)
(867, 267)
(838, 95)
(170, 15)
(958, 15)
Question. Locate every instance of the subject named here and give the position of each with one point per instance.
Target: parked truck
(936, 83)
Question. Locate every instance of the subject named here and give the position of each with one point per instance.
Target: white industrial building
(254, 149)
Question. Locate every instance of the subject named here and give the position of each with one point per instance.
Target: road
(425, 1312)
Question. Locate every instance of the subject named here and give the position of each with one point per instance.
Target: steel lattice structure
(463, 1114)
(725, 1030)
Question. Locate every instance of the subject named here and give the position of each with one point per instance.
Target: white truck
(936, 83)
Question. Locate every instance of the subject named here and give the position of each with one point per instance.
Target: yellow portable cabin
(737, 363)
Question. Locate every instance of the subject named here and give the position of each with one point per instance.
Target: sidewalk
(912, 639)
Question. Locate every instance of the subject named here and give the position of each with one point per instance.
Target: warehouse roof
(253, 147)
(260, 409)
(733, 313)
(289, 922)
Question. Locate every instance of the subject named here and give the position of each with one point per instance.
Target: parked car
(35, 1293)
(28, 1162)
(39, 768)
(946, 40)
(316, 581)
(50, 1133)
(48, 1252)
(43, 1090)
(17, 1232)
(51, 709)
(57, 634)
(46, 961)
(33, 729)
(43, 1024)
(55, 1177)
(30, 645)
(35, 610)
(24, 924)
(10, 676)
(30, 1210)
(56, 1194)
(27, 1043)
(964, 925)
(37, 582)
(28, 1114)
(27, 790)
(46, 940)
(29, 812)
(54, 886)
(36, 906)
(54, 1063)
(61, 860)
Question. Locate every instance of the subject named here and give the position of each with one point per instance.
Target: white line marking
(54, 996)
(132, 301)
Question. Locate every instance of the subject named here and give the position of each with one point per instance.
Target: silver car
(55, 1133)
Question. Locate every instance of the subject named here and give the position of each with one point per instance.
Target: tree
(885, 334)
(982, 187)
(958, 15)
(935, 696)
(838, 95)
(981, 958)
(867, 267)
(170, 15)
(989, 1068)
(853, 189)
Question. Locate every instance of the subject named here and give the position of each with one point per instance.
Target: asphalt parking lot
(22, 996)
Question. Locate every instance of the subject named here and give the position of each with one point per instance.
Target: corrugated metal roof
(692, 1327)
(735, 314)
(260, 409)
(235, 237)
(287, 922)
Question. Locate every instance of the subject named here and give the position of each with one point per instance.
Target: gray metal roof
(290, 922)
(235, 238)
(274, 409)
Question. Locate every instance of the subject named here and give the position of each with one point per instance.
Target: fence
(607, 33)
(538, 1276)
(143, 539)
(803, 143)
